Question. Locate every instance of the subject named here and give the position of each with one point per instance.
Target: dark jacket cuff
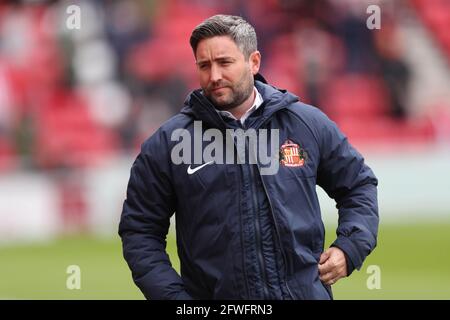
(352, 255)
(183, 295)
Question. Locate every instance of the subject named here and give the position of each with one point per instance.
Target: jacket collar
(200, 108)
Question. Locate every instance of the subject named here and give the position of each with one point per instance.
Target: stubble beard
(239, 93)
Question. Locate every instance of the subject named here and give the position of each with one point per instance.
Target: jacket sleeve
(145, 221)
(345, 177)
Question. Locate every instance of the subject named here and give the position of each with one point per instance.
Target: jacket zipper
(257, 225)
(258, 233)
(277, 231)
(242, 241)
(278, 239)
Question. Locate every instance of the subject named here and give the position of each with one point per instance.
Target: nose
(216, 74)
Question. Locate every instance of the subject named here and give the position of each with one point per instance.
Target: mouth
(215, 90)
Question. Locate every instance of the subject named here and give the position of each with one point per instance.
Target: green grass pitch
(414, 261)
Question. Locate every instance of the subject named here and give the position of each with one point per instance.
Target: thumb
(324, 256)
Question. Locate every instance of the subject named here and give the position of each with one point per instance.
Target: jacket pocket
(306, 285)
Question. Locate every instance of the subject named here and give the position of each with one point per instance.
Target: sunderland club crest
(291, 155)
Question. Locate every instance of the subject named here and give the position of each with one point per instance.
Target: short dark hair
(242, 32)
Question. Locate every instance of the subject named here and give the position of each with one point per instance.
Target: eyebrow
(216, 59)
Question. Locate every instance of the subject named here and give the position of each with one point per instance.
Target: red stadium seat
(387, 132)
(8, 157)
(436, 16)
(356, 95)
(68, 136)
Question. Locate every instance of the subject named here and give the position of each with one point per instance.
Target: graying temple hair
(242, 33)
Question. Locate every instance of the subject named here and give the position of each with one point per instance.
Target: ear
(255, 62)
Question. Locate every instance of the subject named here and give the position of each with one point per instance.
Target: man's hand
(332, 265)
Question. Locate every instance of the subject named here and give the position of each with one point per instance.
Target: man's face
(226, 77)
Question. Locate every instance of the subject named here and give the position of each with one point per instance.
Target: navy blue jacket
(240, 234)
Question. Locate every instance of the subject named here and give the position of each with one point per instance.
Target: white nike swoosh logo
(191, 171)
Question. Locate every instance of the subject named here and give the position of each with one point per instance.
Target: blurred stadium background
(75, 105)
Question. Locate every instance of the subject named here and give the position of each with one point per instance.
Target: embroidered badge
(291, 155)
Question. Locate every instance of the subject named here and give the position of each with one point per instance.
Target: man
(242, 233)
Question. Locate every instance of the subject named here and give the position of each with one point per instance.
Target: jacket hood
(199, 107)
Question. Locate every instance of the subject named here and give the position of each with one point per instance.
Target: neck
(241, 109)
